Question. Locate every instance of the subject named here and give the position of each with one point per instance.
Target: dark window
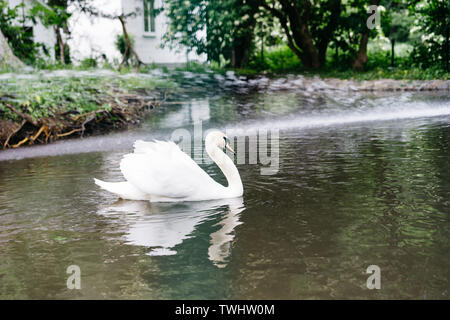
(149, 15)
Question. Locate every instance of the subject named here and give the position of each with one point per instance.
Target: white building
(148, 29)
(93, 36)
(41, 34)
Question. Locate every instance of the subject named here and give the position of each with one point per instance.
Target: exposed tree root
(124, 110)
(20, 143)
(43, 128)
(68, 133)
(6, 143)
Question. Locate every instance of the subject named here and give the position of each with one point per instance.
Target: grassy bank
(38, 109)
(279, 61)
(377, 73)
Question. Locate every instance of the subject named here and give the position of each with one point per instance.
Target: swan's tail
(125, 190)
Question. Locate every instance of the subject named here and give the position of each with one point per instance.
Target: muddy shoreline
(124, 110)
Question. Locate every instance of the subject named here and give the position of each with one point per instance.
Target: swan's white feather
(161, 169)
(125, 190)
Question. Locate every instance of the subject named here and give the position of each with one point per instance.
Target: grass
(279, 61)
(383, 73)
(39, 109)
(44, 97)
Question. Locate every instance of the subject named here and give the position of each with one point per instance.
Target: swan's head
(218, 139)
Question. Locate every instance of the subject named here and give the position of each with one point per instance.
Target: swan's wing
(125, 190)
(161, 168)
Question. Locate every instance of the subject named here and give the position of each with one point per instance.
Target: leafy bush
(121, 45)
(19, 38)
(432, 49)
(44, 97)
(277, 59)
(88, 63)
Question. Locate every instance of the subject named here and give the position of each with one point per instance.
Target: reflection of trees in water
(41, 210)
(397, 223)
(354, 198)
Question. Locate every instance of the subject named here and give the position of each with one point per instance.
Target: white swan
(160, 172)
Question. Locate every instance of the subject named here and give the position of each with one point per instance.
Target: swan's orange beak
(229, 148)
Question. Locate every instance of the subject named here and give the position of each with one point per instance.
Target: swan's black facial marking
(225, 143)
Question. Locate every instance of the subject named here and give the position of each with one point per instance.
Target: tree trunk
(311, 57)
(129, 45)
(361, 58)
(446, 48)
(60, 44)
(301, 43)
(392, 52)
(7, 57)
(327, 33)
(243, 40)
(336, 55)
(241, 49)
(293, 18)
(262, 51)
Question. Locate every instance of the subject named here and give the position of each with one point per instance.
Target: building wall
(94, 36)
(46, 36)
(147, 45)
(41, 34)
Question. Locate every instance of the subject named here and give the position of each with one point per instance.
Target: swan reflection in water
(162, 226)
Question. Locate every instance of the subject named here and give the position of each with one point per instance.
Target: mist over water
(363, 179)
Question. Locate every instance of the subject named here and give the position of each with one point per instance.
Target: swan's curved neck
(228, 168)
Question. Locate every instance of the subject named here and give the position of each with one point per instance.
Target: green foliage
(250, 34)
(193, 67)
(144, 83)
(278, 60)
(432, 48)
(256, 25)
(228, 25)
(20, 38)
(45, 97)
(384, 73)
(67, 59)
(88, 63)
(121, 45)
(56, 15)
(281, 60)
(396, 25)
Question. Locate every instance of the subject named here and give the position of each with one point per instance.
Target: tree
(365, 33)
(14, 27)
(88, 7)
(229, 25)
(122, 46)
(54, 14)
(432, 17)
(223, 30)
(309, 26)
(129, 44)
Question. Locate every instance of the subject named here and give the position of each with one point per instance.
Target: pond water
(362, 179)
